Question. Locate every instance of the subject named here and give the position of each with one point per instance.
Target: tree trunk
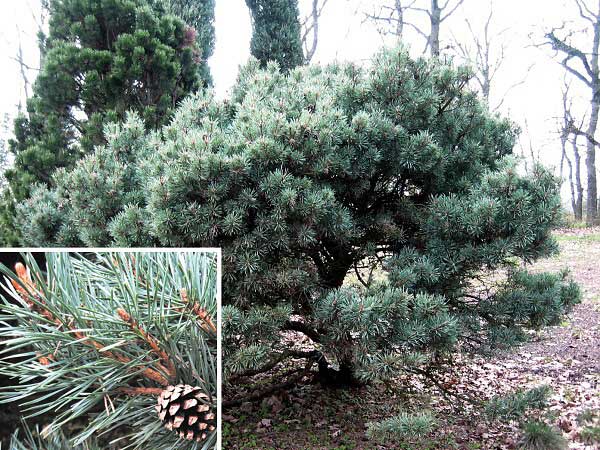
(590, 163)
(400, 22)
(565, 157)
(435, 18)
(343, 377)
(578, 210)
(590, 157)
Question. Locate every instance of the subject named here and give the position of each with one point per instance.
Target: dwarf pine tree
(359, 207)
(111, 350)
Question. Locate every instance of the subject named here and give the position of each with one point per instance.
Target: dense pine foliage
(102, 59)
(362, 207)
(89, 342)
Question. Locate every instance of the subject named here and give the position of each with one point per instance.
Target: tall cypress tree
(102, 59)
(276, 32)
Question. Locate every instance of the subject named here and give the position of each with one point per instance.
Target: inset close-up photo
(109, 350)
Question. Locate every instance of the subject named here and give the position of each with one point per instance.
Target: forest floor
(565, 357)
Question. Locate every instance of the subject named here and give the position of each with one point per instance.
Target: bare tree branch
(310, 26)
(452, 11)
(393, 19)
(570, 53)
(582, 6)
(486, 50)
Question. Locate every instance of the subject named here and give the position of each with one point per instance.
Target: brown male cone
(188, 411)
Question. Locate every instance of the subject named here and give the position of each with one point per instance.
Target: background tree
(392, 19)
(276, 32)
(102, 59)
(101, 337)
(486, 51)
(582, 63)
(200, 15)
(306, 178)
(310, 29)
(566, 127)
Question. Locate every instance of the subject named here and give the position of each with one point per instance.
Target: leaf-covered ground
(566, 357)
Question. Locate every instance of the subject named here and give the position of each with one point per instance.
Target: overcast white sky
(345, 36)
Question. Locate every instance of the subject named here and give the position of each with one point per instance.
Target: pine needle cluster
(91, 340)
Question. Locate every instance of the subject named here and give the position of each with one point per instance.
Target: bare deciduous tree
(486, 51)
(391, 19)
(310, 29)
(23, 67)
(567, 127)
(529, 154)
(583, 65)
(39, 13)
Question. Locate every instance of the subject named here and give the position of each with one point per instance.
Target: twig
(135, 391)
(125, 316)
(37, 304)
(207, 324)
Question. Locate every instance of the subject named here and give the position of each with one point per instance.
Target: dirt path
(566, 357)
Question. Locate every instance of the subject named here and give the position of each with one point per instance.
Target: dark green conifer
(355, 206)
(103, 58)
(276, 32)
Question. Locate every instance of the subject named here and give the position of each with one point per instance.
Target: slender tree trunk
(590, 164)
(435, 18)
(572, 187)
(565, 157)
(400, 22)
(590, 157)
(578, 212)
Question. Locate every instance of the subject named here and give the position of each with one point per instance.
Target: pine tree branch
(37, 304)
(126, 317)
(299, 374)
(135, 391)
(314, 354)
(207, 323)
(294, 325)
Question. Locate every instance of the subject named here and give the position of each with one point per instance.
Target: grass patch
(575, 238)
(590, 435)
(541, 436)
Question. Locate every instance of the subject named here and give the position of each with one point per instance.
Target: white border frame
(215, 250)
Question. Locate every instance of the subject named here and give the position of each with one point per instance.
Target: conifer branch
(126, 317)
(292, 377)
(133, 391)
(207, 324)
